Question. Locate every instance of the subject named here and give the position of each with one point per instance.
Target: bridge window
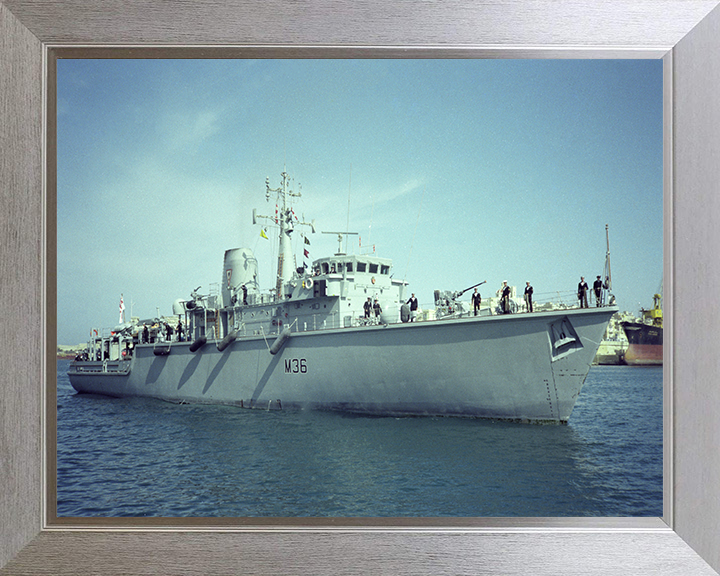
(384, 269)
(325, 268)
(349, 266)
(361, 267)
(373, 268)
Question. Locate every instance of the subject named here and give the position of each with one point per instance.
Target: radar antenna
(340, 239)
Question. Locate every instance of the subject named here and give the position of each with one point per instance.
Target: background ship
(614, 344)
(645, 336)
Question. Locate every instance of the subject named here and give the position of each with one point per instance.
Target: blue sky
(459, 170)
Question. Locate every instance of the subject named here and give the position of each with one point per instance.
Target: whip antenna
(608, 274)
(347, 224)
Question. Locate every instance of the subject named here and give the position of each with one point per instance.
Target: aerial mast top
(286, 220)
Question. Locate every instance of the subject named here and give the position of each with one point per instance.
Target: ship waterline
(523, 367)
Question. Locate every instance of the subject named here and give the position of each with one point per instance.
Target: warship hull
(645, 344)
(519, 367)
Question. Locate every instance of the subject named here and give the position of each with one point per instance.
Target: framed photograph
(498, 161)
(683, 539)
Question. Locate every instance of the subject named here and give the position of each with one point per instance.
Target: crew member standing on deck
(180, 331)
(582, 292)
(413, 307)
(476, 299)
(528, 296)
(376, 308)
(505, 298)
(367, 307)
(597, 288)
(146, 334)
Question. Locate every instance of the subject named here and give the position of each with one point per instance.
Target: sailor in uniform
(376, 308)
(528, 296)
(476, 299)
(367, 307)
(505, 297)
(413, 301)
(582, 292)
(597, 288)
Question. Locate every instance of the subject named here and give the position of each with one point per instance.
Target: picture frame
(686, 540)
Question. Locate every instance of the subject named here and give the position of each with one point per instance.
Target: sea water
(145, 457)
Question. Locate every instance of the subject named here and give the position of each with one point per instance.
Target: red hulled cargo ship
(645, 337)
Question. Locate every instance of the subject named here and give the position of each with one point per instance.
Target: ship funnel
(240, 268)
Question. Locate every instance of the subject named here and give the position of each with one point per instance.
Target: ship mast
(286, 220)
(608, 274)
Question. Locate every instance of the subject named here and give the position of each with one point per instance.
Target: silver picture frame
(685, 34)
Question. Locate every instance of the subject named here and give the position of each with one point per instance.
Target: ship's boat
(342, 334)
(645, 337)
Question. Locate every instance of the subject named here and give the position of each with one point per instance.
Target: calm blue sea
(141, 457)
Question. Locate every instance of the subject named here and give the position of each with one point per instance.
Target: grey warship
(310, 344)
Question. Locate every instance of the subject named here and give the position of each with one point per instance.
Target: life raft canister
(199, 343)
(404, 313)
(279, 341)
(225, 342)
